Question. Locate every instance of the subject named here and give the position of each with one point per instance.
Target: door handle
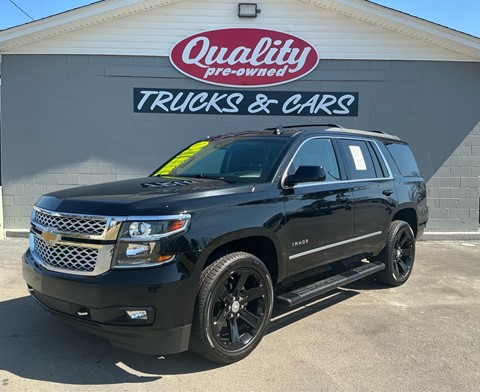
(342, 198)
(387, 192)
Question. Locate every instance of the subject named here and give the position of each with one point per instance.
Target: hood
(148, 195)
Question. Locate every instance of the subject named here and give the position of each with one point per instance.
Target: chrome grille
(71, 258)
(70, 224)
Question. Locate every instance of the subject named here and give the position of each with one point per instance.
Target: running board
(302, 294)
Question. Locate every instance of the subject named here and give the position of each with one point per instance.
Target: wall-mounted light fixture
(248, 10)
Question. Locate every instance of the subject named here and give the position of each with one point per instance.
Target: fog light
(137, 314)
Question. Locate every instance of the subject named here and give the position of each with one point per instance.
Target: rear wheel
(398, 254)
(233, 308)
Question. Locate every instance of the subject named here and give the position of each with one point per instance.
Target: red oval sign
(244, 57)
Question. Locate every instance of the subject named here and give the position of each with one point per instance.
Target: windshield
(231, 159)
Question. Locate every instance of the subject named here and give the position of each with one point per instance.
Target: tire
(233, 308)
(398, 254)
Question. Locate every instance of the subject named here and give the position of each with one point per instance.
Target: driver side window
(317, 152)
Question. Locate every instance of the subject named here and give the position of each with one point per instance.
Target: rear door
(373, 193)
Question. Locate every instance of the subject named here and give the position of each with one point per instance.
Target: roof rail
(378, 131)
(278, 130)
(281, 127)
(333, 126)
(312, 125)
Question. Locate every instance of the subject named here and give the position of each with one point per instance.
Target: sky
(462, 15)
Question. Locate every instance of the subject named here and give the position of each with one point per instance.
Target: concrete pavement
(423, 336)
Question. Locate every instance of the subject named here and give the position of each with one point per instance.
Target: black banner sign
(274, 103)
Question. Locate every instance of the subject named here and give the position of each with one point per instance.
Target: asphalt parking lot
(423, 336)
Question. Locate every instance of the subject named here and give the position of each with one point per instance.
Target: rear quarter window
(404, 159)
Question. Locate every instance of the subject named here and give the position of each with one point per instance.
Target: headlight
(139, 229)
(151, 230)
(139, 241)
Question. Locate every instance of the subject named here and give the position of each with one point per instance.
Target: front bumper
(99, 305)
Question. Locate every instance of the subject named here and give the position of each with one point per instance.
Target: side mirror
(306, 174)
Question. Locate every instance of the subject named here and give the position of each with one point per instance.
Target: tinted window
(380, 167)
(212, 163)
(234, 159)
(359, 161)
(317, 152)
(404, 159)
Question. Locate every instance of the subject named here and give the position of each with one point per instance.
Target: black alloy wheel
(398, 254)
(403, 253)
(233, 308)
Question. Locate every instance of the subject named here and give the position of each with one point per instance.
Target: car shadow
(369, 283)
(36, 345)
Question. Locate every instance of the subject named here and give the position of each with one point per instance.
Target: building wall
(69, 121)
(454, 190)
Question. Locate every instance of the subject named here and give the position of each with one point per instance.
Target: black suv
(195, 255)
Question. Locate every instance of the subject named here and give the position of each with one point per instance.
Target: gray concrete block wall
(454, 190)
(69, 121)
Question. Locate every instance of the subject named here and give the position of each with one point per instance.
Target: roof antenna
(278, 130)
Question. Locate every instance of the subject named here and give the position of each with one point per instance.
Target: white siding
(154, 32)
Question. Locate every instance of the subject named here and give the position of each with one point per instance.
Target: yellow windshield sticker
(180, 158)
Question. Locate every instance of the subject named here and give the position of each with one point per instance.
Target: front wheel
(233, 308)
(398, 254)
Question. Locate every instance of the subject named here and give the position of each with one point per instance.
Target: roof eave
(412, 26)
(364, 10)
(91, 14)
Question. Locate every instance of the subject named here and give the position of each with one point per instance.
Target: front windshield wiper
(206, 176)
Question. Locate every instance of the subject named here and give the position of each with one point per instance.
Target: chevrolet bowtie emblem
(50, 238)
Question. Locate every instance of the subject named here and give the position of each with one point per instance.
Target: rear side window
(361, 160)
(404, 159)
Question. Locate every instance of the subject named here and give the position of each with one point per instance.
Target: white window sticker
(358, 158)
